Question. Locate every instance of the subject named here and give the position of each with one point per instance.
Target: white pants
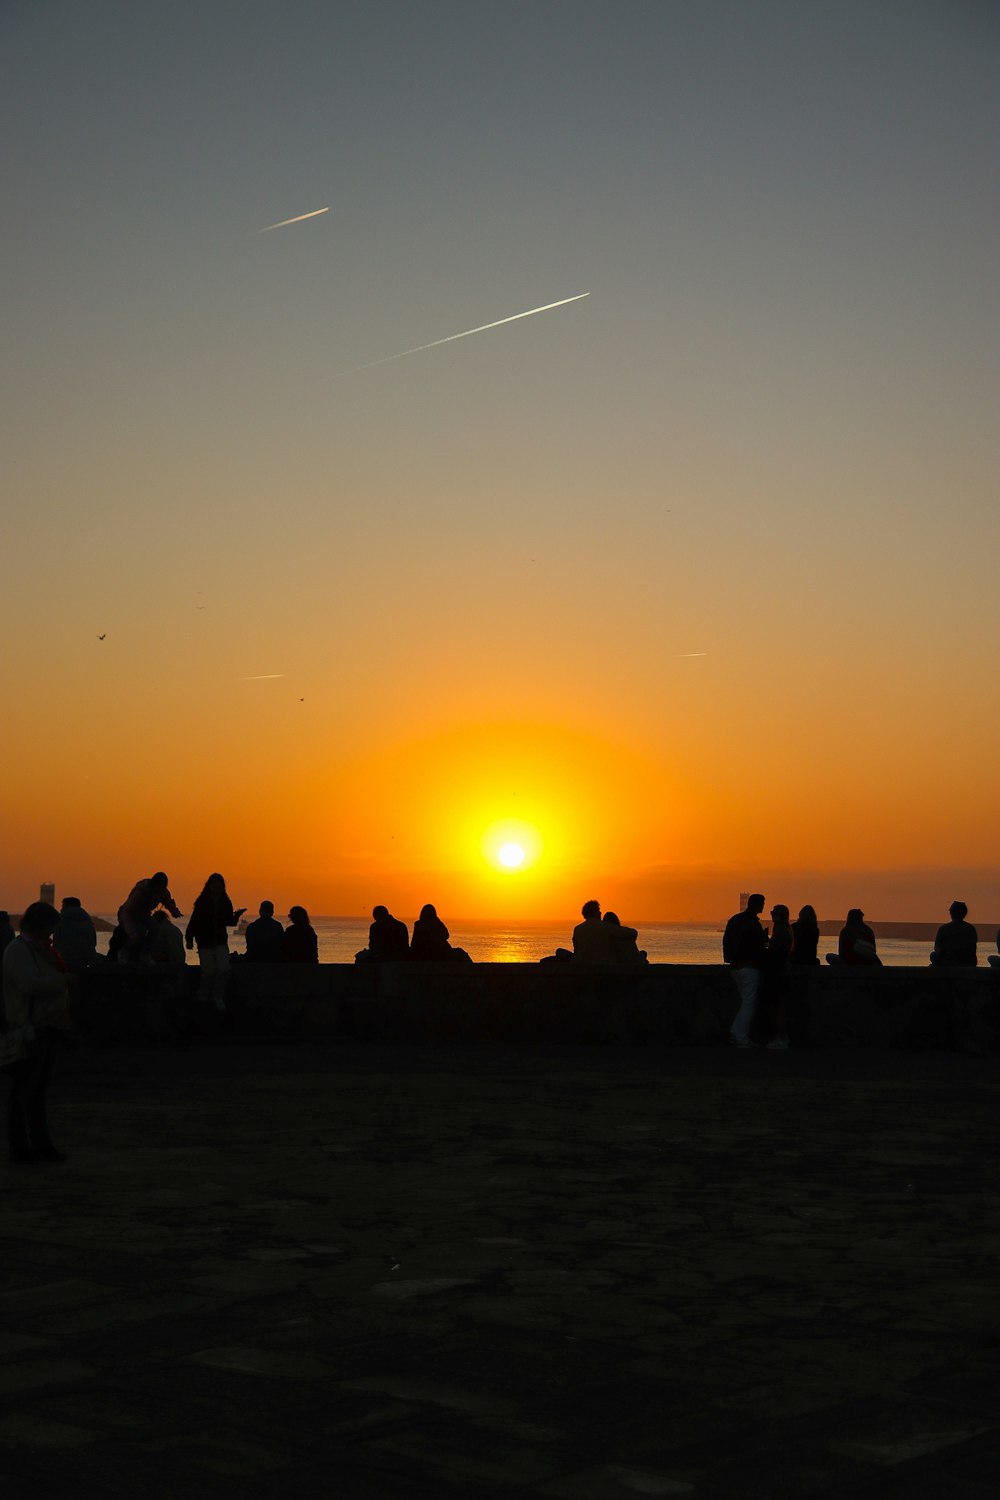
(214, 965)
(747, 982)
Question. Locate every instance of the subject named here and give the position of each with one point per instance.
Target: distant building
(47, 892)
(744, 898)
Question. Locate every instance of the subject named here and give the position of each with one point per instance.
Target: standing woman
(805, 938)
(211, 918)
(35, 995)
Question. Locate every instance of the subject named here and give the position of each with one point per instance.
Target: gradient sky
(768, 436)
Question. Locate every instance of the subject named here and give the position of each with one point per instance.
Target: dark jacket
(744, 942)
(75, 938)
(211, 917)
(956, 944)
(300, 944)
(265, 941)
(389, 940)
(805, 942)
(856, 945)
(430, 940)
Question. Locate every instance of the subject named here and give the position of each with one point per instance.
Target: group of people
(389, 940)
(760, 960)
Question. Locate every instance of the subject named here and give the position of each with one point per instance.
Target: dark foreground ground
(475, 1271)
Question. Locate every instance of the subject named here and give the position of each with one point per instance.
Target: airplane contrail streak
(683, 655)
(297, 220)
(388, 358)
(263, 676)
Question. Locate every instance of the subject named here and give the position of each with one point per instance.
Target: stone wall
(662, 1005)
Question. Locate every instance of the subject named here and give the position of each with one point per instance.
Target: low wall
(662, 1004)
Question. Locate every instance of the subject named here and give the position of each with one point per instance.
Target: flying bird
(297, 220)
(514, 318)
(101, 637)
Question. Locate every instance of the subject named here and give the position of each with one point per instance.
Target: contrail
(297, 220)
(683, 655)
(263, 676)
(388, 358)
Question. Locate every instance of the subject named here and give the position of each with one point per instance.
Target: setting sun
(511, 845)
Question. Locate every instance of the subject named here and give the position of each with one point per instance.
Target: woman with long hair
(211, 918)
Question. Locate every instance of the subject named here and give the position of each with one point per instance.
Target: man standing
(744, 949)
(75, 937)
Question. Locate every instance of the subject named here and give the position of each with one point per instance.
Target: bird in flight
(101, 637)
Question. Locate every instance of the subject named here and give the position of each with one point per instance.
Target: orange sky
(696, 577)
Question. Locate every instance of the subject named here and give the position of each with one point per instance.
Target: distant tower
(47, 892)
(744, 898)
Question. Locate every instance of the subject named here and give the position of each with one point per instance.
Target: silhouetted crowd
(51, 946)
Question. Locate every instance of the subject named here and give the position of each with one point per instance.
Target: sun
(511, 846)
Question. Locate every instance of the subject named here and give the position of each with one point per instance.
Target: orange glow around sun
(511, 845)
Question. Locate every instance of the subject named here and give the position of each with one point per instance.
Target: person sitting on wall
(388, 940)
(955, 944)
(593, 940)
(856, 944)
(300, 943)
(430, 940)
(624, 942)
(265, 937)
(805, 939)
(166, 941)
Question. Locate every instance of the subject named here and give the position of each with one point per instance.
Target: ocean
(340, 938)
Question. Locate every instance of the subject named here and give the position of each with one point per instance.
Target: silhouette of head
(427, 911)
(380, 912)
(755, 903)
(807, 914)
(591, 910)
(958, 911)
(780, 915)
(612, 918)
(266, 908)
(70, 901)
(159, 879)
(39, 920)
(160, 916)
(855, 916)
(215, 882)
(4, 916)
(298, 916)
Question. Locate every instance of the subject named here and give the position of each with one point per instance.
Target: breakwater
(659, 1005)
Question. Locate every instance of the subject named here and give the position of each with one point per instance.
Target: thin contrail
(297, 220)
(388, 358)
(263, 676)
(682, 655)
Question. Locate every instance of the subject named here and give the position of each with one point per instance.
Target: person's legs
(27, 1117)
(214, 965)
(747, 983)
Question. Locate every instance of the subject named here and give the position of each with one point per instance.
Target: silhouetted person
(166, 942)
(7, 933)
(430, 939)
(265, 937)
(593, 940)
(300, 942)
(624, 942)
(35, 994)
(774, 979)
(388, 939)
(805, 939)
(212, 915)
(744, 949)
(75, 937)
(856, 944)
(135, 912)
(955, 944)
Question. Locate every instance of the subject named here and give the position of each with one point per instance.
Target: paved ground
(379, 1272)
